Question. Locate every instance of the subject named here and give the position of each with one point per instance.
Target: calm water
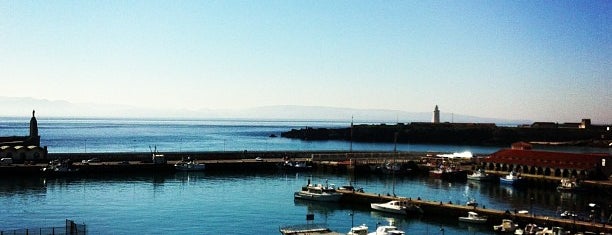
(255, 203)
(213, 203)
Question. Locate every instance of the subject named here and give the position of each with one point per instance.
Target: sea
(247, 202)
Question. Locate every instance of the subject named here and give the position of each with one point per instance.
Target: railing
(71, 228)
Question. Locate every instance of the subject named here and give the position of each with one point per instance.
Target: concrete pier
(445, 209)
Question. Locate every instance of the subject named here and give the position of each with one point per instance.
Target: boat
(511, 179)
(530, 229)
(189, 165)
(506, 226)
(448, 173)
(57, 167)
(473, 217)
(387, 230)
(402, 207)
(479, 175)
(294, 166)
(319, 192)
(569, 185)
(359, 230)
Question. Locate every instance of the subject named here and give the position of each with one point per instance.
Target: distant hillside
(12, 106)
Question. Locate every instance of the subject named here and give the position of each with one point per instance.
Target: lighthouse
(436, 115)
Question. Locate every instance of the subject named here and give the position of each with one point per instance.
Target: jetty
(448, 209)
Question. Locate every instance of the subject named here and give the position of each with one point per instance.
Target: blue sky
(538, 60)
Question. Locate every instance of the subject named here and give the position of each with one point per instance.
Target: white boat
(569, 185)
(479, 175)
(402, 207)
(506, 226)
(512, 178)
(326, 193)
(359, 230)
(473, 217)
(189, 166)
(387, 230)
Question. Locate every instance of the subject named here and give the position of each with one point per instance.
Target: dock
(446, 209)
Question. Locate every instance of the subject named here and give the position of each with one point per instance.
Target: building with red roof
(561, 164)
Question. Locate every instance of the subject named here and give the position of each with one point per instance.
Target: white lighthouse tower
(436, 115)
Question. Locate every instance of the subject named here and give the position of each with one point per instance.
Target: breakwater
(456, 133)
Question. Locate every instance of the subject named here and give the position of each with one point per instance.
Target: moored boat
(479, 175)
(473, 217)
(506, 226)
(387, 230)
(359, 230)
(512, 178)
(189, 165)
(402, 207)
(569, 185)
(319, 192)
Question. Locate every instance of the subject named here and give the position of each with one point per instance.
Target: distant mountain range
(17, 106)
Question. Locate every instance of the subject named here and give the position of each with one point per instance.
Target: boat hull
(473, 220)
(318, 197)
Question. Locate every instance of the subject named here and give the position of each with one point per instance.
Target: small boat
(530, 229)
(448, 173)
(479, 175)
(506, 226)
(294, 166)
(387, 230)
(324, 193)
(189, 166)
(57, 167)
(511, 179)
(473, 217)
(402, 207)
(359, 230)
(569, 185)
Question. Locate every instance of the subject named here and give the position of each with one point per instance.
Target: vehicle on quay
(473, 217)
(569, 185)
(189, 165)
(507, 226)
(402, 207)
(512, 178)
(318, 192)
(479, 175)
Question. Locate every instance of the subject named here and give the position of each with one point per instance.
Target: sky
(536, 60)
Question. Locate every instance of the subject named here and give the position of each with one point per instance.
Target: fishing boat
(506, 226)
(473, 217)
(448, 173)
(189, 166)
(479, 175)
(569, 185)
(319, 192)
(402, 207)
(510, 179)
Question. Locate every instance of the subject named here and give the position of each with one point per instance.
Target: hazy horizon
(511, 60)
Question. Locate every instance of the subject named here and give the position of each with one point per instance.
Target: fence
(70, 228)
